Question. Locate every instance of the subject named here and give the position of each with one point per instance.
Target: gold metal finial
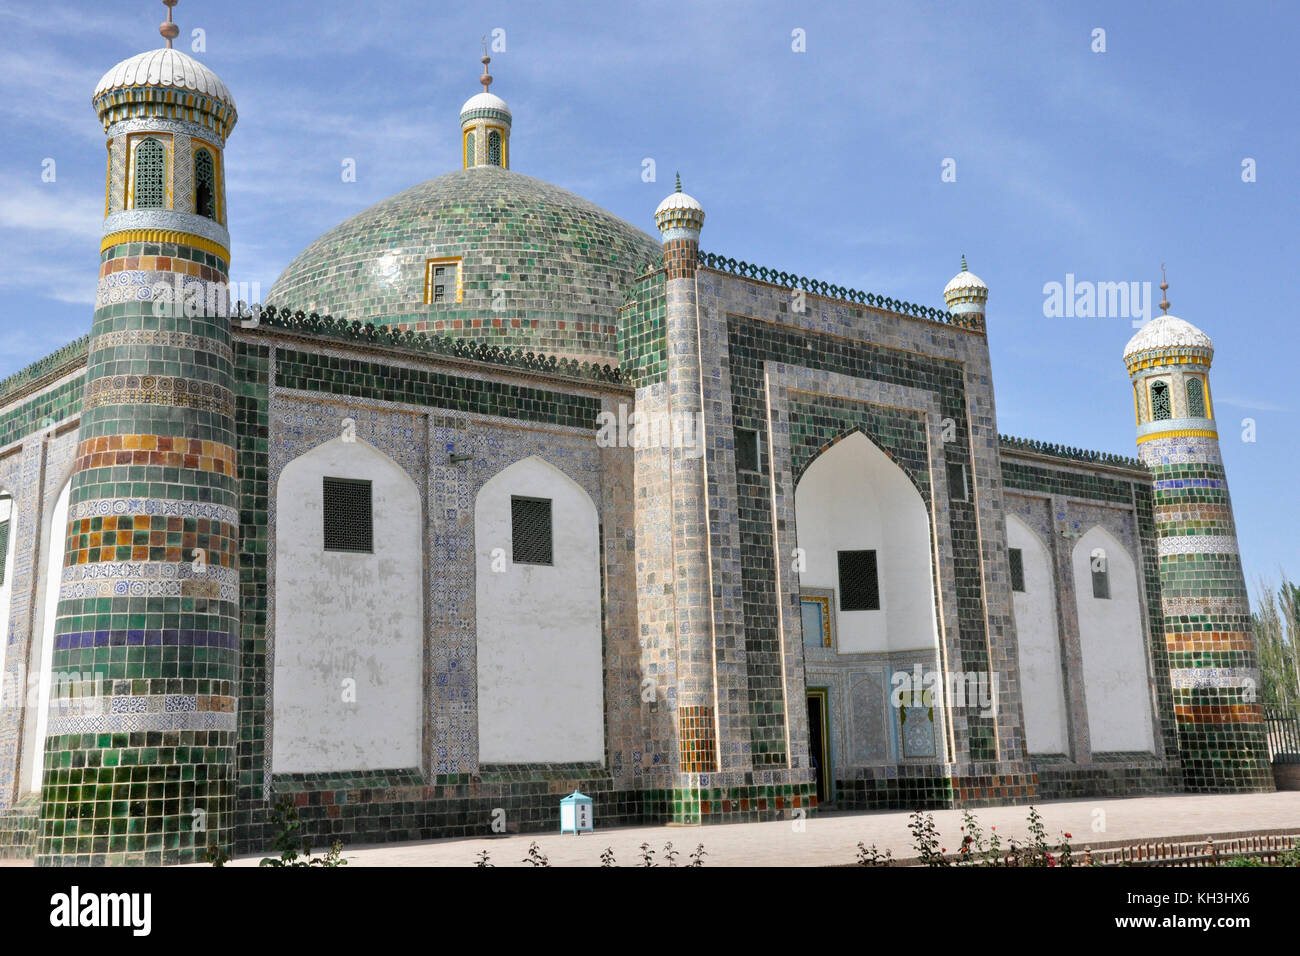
(169, 30)
(1164, 289)
(486, 78)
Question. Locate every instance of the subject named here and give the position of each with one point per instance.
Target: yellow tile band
(165, 235)
(1180, 433)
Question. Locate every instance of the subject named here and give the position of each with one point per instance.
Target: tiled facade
(175, 427)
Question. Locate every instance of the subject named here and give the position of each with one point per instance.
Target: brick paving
(832, 839)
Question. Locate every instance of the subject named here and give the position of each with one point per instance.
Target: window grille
(531, 538)
(1160, 409)
(859, 583)
(349, 517)
(1017, 569)
(1100, 575)
(957, 490)
(150, 175)
(205, 184)
(1195, 398)
(747, 450)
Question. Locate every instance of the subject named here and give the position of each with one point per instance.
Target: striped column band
(149, 596)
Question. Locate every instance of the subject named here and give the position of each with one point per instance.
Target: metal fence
(1283, 734)
(1266, 848)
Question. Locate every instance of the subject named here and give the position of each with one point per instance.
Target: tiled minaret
(680, 218)
(966, 295)
(1212, 660)
(485, 126)
(150, 581)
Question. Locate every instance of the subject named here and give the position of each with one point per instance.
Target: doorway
(818, 736)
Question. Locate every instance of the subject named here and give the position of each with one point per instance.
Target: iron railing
(1283, 733)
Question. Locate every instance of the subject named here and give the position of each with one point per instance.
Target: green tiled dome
(541, 268)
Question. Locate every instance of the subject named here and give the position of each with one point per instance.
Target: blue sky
(826, 162)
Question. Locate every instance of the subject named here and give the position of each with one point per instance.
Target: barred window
(4, 548)
(1017, 569)
(150, 175)
(442, 280)
(349, 517)
(747, 450)
(494, 148)
(1160, 409)
(531, 538)
(1100, 574)
(205, 184)
(1195, 398)
(957, 490)
(469, 149)
(859, 584)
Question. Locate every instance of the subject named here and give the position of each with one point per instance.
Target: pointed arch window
(205, 184)
(469, 150)
(150, 190)
(494, 148)
(1196, 398)
(1160, 408)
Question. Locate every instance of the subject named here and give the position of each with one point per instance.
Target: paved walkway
(832, 839)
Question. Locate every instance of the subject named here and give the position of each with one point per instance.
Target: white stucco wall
(540, 696)
(53, 567)
(1041, 681)
(341, 616)
(854, 498)
(1113, 648)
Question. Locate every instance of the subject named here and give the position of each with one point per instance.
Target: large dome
(540, 267)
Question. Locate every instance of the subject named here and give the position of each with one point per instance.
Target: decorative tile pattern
(543, 268)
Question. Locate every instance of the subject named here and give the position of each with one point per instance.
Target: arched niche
(539, 663)
(51, 580)
(1038, 635)
(854, 498)
(347, 681)
(1112, 644)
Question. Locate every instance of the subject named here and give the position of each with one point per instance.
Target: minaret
(485, 125)
(1212, 660)
(966, 294)
(150, 588)
(680, 218)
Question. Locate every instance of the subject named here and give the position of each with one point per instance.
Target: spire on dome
(679, 183)
(963, 263)
(485, 125)
(169, 30)
(486, 78)
(1164, 291)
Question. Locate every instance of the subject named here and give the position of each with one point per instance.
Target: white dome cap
(680, 215)
(682, 201)
(1168, 332)
(964, 280)
(166, 68)
(485, 101)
